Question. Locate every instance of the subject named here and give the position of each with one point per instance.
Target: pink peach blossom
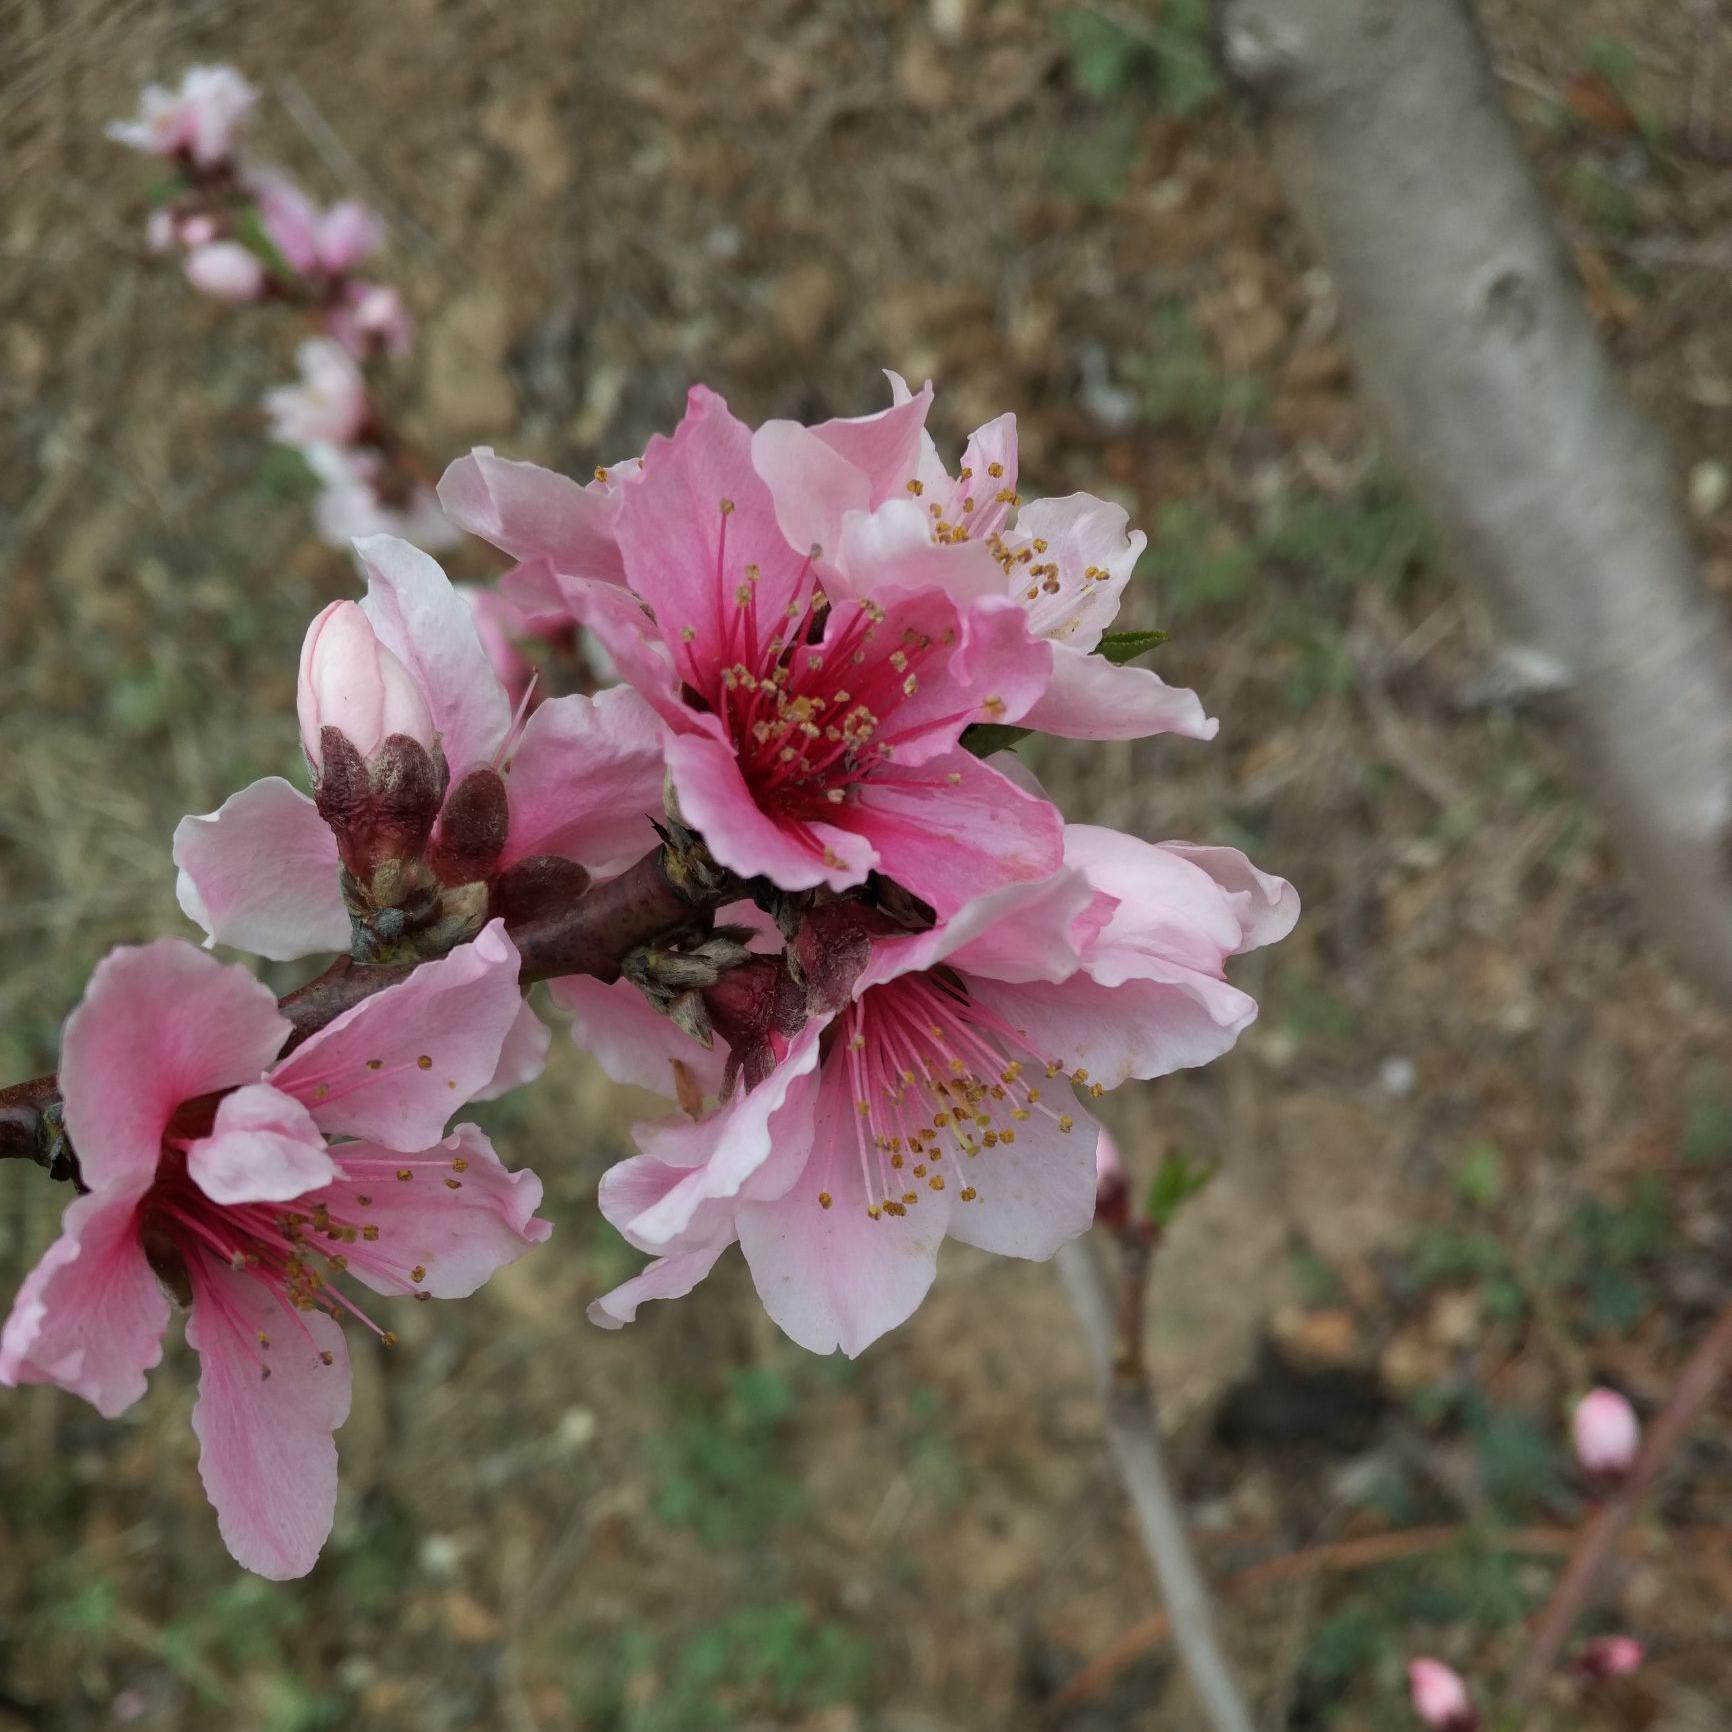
(583, 779)
(328, 405)
(809, 744)
(1440, 1698)
(359, 497)
(202, 119)
(226, 271)
(873, 487)
(369, 317)
(1607, 1433)
(312, 241)
(945, 1095)
(249, 1187)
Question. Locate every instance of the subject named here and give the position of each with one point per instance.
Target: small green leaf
(1177, 1180)
(985, 738)
(1120, 647)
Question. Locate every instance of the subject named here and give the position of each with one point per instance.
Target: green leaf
(1177, 1180)
(1120, 647)
(985, 738)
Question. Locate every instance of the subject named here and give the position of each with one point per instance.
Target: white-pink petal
(260, 873)
(1089, 698)
(263, 1148)
(671, 1277)
(631, 1040)
(535, 513)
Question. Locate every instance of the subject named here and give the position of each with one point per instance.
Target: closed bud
(1607, 1434)
(1440, 1698)
(472, 828)
(407, 786)
(1112, 1190)
(757, 1007)
(351, 682)
(1610, 1657)
(226, 271)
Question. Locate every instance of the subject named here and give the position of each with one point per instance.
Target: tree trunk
(1497, 401)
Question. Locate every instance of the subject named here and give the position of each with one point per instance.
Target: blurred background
(1476, 1155)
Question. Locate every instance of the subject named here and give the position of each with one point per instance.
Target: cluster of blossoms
(247, 233)
(896, 983)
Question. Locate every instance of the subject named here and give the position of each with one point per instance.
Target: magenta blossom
(327, 405)
(213, 1178)
(1440, 1698)
(201, 120)
(874, 487)
(226, 271)
(946, 1095)
(1607, 1433)
(810, 743)
(581, 778)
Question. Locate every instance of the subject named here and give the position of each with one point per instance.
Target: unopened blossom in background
(403, 672)
(226, 271)
(201, 120)
(360, 495)
(941, 1091)
(1606, 1433)
(874, 486)
(1440, 1698)
(313, 241)
(258, 1192)
(1610, 1657)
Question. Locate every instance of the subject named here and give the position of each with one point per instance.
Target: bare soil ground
(1477, 1153)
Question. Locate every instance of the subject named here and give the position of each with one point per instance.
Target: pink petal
(260, 873)
(534, 513)
(1144, 1028)
(716, 802)
(427, 625)
(585, 781)
(1091, 699)
(686, 555)
(160, 1024)
(1034, 1194)
(666, 1278)
(1266, 907)
(363, 1075)
(522, 1058)
(347, 233)
(892, 548)
(266, 1455)
(834, 1277)
(951, 841)
(290, 218)
(461, 1217)
(627, 634)
(730, 1149)
(499, 625)
(632, 1042)
(90, 1315)
(263, 1148)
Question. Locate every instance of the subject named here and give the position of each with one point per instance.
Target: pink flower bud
(159, 230)
(1611, 1656)
(370, 317)
(347, 233)
(349, 681)
(1607, 1433)
(1440, 1698)
(198, 231)
(226, 271)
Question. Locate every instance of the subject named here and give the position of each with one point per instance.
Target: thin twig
(1136, 1447)
(1599, 1540)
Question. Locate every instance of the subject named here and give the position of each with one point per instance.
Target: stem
(1112, 1326)
(1599, 1540)
(593, 936)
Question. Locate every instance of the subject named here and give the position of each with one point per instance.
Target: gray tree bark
(1495, 398)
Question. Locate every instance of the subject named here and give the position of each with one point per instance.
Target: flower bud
(347, 233)
(1610, 1657)
(349, 681)
(1112, 1190)
(1607, 1433)
(1440, 1698)
(757, 1007)
(225, 271)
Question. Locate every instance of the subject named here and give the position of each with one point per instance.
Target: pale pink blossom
(945, 1093)
(582, 776)
(811, 744)
(369, 317)
(258, 1191)
(1607, 1433)
(328, 405)
(314, 242)
(1611, 1656)
(202, 119)
(1440, 1698)
(360, 497)
(161, 230)
(872, 490)
(226, 271)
